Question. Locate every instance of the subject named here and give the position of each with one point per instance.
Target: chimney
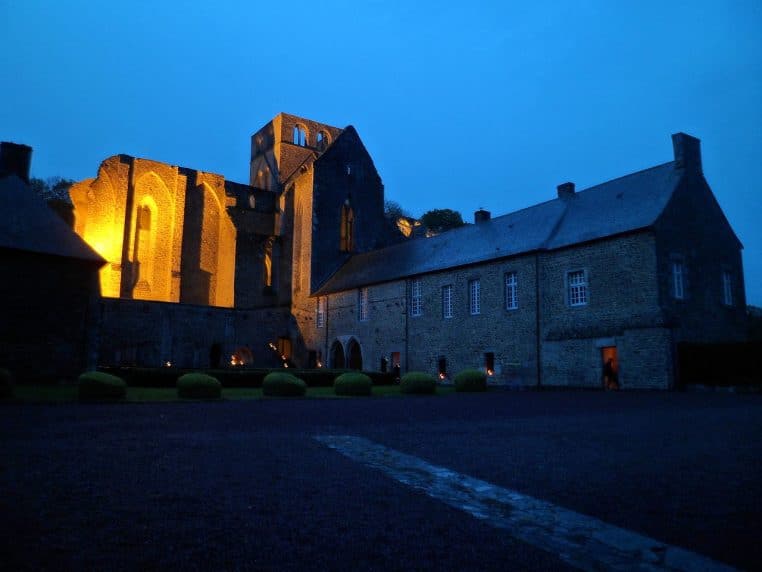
(15, 159)
(687, 152)
(482, 216)
(565, 190)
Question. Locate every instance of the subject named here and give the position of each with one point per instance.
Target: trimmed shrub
(471, 380)
(379, 378)
(279, 384)
(354, 383)
(418, 382)
(6, 384)
(96, 385)
(198, 386)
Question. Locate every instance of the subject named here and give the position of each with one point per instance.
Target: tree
(393, 210)
(52, 188)
(440, 220)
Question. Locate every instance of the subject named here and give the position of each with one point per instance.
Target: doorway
(337, 355)
(609, 369)
(355, 354)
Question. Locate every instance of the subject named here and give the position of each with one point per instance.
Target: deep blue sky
(462, 105)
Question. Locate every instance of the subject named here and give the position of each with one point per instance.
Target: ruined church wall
(148, 333)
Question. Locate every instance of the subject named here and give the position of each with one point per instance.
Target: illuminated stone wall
(164, 230)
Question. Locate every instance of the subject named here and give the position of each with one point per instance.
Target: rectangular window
(320, 318)
(511, 291)
(577, 284)
(678, 280)
(416, 306)
(447, 301)
(474, 297)
(727, 289)
(362, 302)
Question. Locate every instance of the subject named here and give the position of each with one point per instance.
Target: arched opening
(321, 141)
(143, 253)
(337, 355)
(300, 135)
(347, 228)
(355, 355)
(267, 273)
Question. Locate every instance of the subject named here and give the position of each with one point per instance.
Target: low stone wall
(142, 333)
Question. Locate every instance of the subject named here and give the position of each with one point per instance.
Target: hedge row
(230, 378)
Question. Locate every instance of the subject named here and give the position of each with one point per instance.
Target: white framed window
(511, 291)
(474, 297)
(727, 288)
(416, 303)
(447, 301)
(576, 281)
(678, 280)
(362, 303)
(320, 317)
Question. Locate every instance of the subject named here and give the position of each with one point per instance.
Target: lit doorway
(609, 367)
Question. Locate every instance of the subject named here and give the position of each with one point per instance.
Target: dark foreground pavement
(244, 486)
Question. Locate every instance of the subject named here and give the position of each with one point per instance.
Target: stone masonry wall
(694, 231)
(147, 333)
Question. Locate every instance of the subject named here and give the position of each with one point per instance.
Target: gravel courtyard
(245, 486)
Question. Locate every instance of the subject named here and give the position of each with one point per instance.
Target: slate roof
(625, 204)
(27, 224)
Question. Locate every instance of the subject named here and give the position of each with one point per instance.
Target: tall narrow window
(268, 264)
(362, 304)
(347, 228)
(727, 288)
(474, 297)
(577, 288)
(320, 318)
(511, 291)
(300, 135)
(447, 301)
(144, 245)
(416, 304)
(678, 280)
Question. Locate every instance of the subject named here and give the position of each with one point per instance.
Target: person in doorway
(610, 380)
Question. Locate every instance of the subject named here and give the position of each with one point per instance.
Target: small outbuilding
(48, 282)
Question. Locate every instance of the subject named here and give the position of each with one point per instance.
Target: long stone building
(301, 265)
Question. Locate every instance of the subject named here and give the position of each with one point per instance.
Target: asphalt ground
(245, 486)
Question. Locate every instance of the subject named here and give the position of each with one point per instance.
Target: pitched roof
(26, 223)
(626, 204)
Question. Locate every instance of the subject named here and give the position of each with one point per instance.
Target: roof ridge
(625, 176)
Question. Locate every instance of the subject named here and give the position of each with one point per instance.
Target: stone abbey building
(302, 265)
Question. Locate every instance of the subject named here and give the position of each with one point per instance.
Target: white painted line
(579, 540)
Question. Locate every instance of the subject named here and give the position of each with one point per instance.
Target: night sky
(462, 105)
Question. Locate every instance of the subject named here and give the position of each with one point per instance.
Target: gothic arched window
(300, 135)
(321, 140)
(347, 228)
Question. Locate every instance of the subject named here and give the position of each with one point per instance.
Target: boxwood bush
(280, 384)
(418, 382)
(354, 383)
(198, 386)
(96, 385)
(471, 380)
(6, 384)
